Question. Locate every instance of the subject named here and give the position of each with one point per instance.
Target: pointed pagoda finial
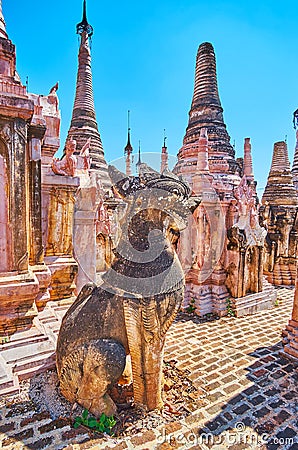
(164, 137)
(84, 25)
(3, 33)
(128, 148)
(139, 160)
(164, 154)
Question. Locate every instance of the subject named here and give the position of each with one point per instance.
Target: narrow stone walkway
(250, 392)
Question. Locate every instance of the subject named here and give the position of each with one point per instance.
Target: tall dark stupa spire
(206, 110)
(83, 123)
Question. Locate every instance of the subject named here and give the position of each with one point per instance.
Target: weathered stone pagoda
(18, 286)
(29, 137)
(53, 213)
(278, 214)
(94, 207)
(222, 249)
(83, 123)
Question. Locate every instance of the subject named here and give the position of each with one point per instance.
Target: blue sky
(144, 58)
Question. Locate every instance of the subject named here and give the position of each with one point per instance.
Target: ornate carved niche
(100, 253)
(201, 239)
(60, 222)
(104, 244)
(251, 264)
(5, 230)
(36, 249)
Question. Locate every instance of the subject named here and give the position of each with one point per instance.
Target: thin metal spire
(139, 160)
(128, 148)
(84, 25)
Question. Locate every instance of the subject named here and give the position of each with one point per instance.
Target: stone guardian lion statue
(131, 311)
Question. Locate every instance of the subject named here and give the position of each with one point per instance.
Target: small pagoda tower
(278, 214)
(83, 123)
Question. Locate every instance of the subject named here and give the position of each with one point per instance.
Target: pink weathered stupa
(278, 214)
(222, 249)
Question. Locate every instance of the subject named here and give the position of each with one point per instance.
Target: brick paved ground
(250, 399)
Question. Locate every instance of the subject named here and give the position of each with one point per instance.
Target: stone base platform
(253, 303)
(247, 399)
(26, 353)
(207, 297)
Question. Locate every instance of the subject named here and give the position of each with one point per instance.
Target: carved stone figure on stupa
(70, 162)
